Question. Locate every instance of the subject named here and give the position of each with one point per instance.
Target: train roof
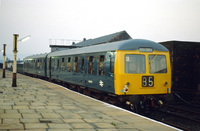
(133, 44)
(36, 56)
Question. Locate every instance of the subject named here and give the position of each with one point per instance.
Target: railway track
(181, 115)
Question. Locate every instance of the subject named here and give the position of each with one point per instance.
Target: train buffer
(39, 105)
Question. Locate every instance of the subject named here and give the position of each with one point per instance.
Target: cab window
(157, 64)
(135, 64)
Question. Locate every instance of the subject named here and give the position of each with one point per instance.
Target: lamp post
(14, 83)
(4, 63)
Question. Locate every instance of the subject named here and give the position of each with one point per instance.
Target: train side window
(47, 63)
(63, 64)
(90, 65)
(55, 64)
(82, 65)
(25, 63)
(43, 64)
(29, 64)
(112, 63)
(33, 64)
(51, 63)
(76, 65)
(69, 65)
(101, 66)
(58, 64)
(38, 63)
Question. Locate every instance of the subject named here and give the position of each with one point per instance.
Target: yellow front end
(148, 79)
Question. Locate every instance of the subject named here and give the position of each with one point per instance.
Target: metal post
(4, 63)
(14, 84)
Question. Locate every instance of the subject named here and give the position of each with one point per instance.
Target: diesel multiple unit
(135, 72)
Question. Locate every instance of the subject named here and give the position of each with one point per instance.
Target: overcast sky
(156, 20)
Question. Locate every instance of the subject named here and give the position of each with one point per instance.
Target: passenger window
(63, 64)
(42, 64)
(90, 66)
(69, 66)
(55, 64)
(47, 63)
(58, 64)
(82, 65)
(76, 65)
(101, 67)
(33, 63)
(38, 63)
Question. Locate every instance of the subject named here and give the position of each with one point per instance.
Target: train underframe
(136, 103)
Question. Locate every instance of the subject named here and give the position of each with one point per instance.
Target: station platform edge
(40, 105)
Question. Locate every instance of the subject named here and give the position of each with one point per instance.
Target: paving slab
(39, 105)
(36, 126)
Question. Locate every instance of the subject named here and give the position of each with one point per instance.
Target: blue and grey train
(129, 71)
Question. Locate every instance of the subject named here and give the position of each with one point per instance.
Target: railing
(62, 41)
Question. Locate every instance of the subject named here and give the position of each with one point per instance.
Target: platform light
(4, 63)
(15, 36)
(25, 38)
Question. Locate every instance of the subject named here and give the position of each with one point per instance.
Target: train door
(50, 67)
(105, 72)
(45, 66)
(110, 72)
(83, 71)
(101, 75)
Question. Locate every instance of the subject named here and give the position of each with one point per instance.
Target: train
(133, 72)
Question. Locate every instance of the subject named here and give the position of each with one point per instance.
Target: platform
(39, 105)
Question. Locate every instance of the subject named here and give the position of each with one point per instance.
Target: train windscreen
(157, 64)
(135, 64)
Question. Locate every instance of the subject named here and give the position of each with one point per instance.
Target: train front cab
(142, 72)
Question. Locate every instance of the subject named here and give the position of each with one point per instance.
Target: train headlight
(126, 87)
(166, 83)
